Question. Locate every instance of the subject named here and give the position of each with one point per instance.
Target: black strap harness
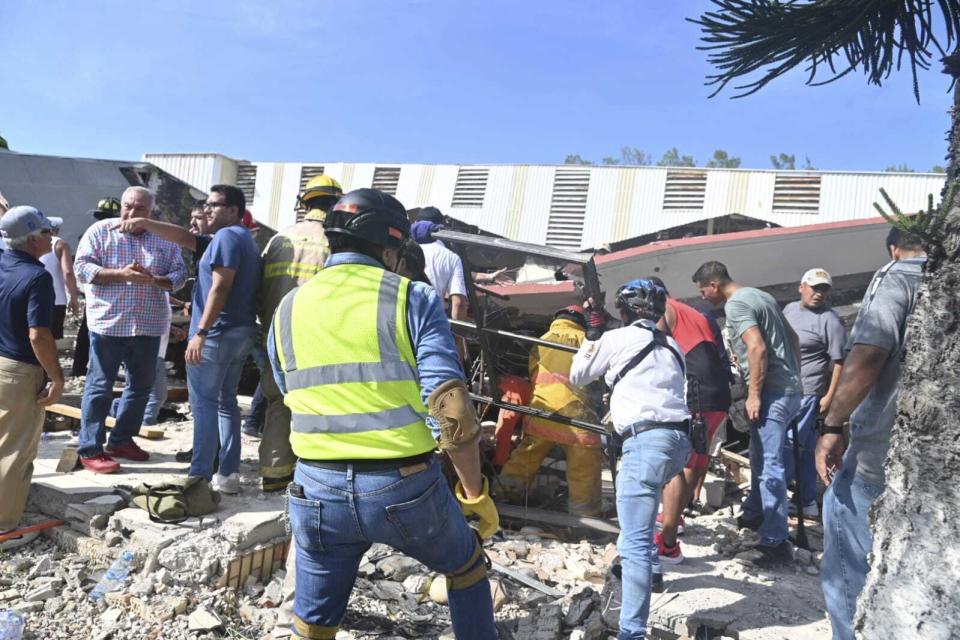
(659, 340)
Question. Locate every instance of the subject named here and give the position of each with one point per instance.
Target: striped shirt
(124, 309)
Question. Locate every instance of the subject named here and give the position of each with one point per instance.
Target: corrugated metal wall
(622, 202)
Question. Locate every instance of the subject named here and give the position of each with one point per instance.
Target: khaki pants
(276, 455)
(21, 423)
(583, 472)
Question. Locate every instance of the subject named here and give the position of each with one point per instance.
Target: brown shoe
(129, 450)
(100, 463)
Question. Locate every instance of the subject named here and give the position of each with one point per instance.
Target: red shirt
(701, 348)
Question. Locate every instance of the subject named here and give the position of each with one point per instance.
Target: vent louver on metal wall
(386, 178)
(308, 171)
(568, 206)
(470, 188)
(684, 190)
(247, 180)
(796, 194)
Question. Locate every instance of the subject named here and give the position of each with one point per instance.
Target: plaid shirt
(124, 309)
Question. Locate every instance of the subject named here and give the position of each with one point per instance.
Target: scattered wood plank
(734, 462)
(151, 433)
(555, 518)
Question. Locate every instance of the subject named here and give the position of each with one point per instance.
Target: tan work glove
(485, 519)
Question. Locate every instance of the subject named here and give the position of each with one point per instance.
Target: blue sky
(459, 81)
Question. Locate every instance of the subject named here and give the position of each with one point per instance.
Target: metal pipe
(540, 413)
(515, 336)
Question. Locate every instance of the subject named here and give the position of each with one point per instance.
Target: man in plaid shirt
(127, 311)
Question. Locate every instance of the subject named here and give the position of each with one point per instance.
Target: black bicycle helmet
(370, 215)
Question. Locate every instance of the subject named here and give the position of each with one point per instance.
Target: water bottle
(11, 625)
(114, 577)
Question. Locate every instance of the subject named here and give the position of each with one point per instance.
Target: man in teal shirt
(767, 351)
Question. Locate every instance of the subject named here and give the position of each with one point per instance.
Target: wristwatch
(826, 429)
(203, 332)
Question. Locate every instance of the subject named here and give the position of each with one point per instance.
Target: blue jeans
(847, 542)
(213, 400)
(650, 460)
(807, 435)
(138, 355)
(158, 395)
(344, 512)
(768, 486)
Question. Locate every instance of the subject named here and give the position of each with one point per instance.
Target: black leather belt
(648, 425)
(370, 465)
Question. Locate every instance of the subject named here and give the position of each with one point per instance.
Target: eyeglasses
(46, 232)
(212, 205)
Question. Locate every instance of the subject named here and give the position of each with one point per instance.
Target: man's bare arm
(221, 284)
(65, 256)
(860, 371)
(45, 348)
(170, 232)
(756, 358)
(827, 399)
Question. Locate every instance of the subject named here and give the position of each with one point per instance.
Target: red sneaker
(668, 555)
(129, 450)
(659, 525)
(100, 463)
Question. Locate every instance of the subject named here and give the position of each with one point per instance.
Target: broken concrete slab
(249, 529)
(51, 494)
(203, 620)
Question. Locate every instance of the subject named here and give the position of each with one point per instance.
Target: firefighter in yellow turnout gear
(362, 356)
(292, 257)
(552, 391)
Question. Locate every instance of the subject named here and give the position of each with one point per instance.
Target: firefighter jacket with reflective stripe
(552, 390)
(292, 257)
(349, 366)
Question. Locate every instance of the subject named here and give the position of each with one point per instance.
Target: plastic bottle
(114, 577)
(11, 625)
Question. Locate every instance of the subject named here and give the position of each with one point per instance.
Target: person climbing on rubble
(866, 396)
(222, 330)
(553, 392)
(290, 259)
(822, 340)
(645, 371)
(360, 353)
(708, 394)
(129, 272)
(768, 354)
(27, 352)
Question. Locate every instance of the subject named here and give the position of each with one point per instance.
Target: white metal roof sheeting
(622, 202)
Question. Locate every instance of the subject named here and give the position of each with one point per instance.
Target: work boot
(776, 555)
(129, 450)
(100, 463)
(744, 522)
(226, 484)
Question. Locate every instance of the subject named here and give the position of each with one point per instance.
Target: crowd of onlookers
(797, 365)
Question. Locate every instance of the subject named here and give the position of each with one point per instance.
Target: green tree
(723, 160)
(3, 143)
(899, 168)
(807, 164)
(575, 159)
(783, 161)
(916, 521)
(672, 158)
(938, 169)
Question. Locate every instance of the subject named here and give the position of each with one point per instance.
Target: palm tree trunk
(912, 590)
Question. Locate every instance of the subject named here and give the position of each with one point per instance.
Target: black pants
(81, 351)
(59, 315)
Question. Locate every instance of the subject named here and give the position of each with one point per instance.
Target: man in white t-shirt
(443, 267)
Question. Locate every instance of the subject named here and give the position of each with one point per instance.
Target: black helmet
(106, 208)
(643, 298)
(369, 215)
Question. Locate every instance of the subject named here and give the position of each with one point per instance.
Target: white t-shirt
(654, 390)
(445, 269)
(52, 264)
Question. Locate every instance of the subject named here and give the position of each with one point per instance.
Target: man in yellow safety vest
(360, 353)
(292, 257)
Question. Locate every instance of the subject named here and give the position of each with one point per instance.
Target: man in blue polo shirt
(27, 350)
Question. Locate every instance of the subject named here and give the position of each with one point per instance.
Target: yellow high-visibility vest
(351, 374)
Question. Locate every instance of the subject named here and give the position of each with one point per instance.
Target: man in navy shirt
(222, 329)
(27, 350)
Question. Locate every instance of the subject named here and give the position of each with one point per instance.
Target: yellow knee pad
(472, 572)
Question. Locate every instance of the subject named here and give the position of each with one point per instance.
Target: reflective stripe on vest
(351, 395)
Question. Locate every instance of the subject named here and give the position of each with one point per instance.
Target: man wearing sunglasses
(27, 350)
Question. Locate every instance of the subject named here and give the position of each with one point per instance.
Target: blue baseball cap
(21, 221)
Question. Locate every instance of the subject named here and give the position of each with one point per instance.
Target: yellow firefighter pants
(21, 424)
(583, 471)
(276, 455)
